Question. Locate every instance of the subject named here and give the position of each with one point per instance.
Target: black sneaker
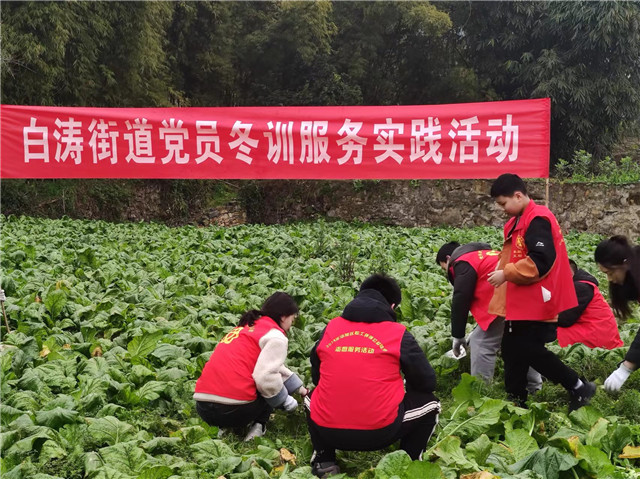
(325, 469)
(581, 396)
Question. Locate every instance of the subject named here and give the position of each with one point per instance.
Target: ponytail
(275, 306)
(248, 318)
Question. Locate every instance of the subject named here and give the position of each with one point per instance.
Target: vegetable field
(112, 323)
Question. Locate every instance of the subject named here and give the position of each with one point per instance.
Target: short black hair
(507, 184)
(446, 250)
(574, 266)
(385, 285)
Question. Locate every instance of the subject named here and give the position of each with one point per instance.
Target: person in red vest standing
(468, 267)
(592, 322)
(534, 285)
(245, 377)
(361, 365)
(620, 261)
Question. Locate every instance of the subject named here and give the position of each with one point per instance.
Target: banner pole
(546, 194)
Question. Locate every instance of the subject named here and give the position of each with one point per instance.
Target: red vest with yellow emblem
(229, 371)
(483, 262)
(596, 328)
(554, 293)
(360, 383)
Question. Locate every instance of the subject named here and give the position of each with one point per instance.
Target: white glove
(458, 344)
(290, 404)
(617, 378)
(2, 296)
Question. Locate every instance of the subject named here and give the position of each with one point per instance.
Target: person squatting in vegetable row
(374, 384)
(467, 268)
(620, 261)
(592, 322)
(533, 285)
(245, 378)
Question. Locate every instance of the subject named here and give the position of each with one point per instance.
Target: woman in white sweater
(245, 378)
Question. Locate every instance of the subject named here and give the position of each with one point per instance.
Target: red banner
(466, 140)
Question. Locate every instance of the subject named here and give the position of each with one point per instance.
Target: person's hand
(303, 391)
(496, 278)
(458, 344)
(617, 378)
(290, 404)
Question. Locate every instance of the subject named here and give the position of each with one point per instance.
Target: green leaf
(54, 301)
(205, 450)
(594, 461)
(139, 374)
(151, 390)
(257, 473)
(92, 462)
(617, 438)
(56, 418)
(110, 430)
(548, 462)
(479, 449)
(165, 351)
(156, 472)
(597, 433)
(125, 457)
(171, 374)
(476, 422)
(392, 464)
(452, 455)
(50, 450)
(142, 346)
(423, 470)
(520, 443)
(221, 466)
(585, 417)
(28, 444)
(468, 390)
(162, 444)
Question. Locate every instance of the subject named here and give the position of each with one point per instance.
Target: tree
(585, 56)
(85, 53)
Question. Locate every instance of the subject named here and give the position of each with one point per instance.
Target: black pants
(414, 425)
(234, 415)
(523, 346)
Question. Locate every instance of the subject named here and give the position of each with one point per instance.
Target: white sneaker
(256, 430)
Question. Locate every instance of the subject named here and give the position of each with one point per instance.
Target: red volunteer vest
(228, 373)
(483, 262)
(544, 299)
(360, 382)
(596, 328)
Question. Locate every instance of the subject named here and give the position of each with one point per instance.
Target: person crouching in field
(592, 322)
(620, 261)
(467, 268)
(535, 267)
(245, 377)
(360, 402)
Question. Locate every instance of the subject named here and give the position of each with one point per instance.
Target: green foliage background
(584, 55)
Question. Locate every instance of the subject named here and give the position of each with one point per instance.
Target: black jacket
(369, 306)
(584, 292)
(464, 286)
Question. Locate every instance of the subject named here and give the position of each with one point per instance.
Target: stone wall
(596, 208)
